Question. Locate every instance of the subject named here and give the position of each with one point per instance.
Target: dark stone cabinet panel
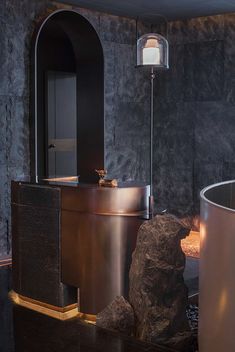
(37, 246)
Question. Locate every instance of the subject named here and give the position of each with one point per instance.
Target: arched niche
(67, 98)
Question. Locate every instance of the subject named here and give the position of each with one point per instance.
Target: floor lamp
(152, 52)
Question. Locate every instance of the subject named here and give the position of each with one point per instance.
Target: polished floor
(22, 330)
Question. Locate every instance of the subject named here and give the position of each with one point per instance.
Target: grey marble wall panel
(206, 84)
(92, 16)
(117, 29)
(13, 61)
(20, 13)
(170, 84)
(173, 189)
(126, 112)
(203, 29)
(4, 210)
(228, 169)
(4, 203)
(214, 145)
(3, 129)
(177, 32)
(214, 132)
(174, 153)
(4, 244)
(204, 71)
(196, 30)
(18, 133)
(229, 57)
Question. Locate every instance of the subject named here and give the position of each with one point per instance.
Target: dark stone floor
(22, 330)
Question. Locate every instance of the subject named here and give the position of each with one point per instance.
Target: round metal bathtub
(217, 269)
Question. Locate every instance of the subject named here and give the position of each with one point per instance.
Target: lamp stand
(151, 197)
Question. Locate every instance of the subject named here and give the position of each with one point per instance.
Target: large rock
(118, 315)
(158, 294)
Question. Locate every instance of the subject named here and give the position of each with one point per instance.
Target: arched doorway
(67, 98)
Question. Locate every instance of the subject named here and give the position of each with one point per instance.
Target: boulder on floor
(158, 293)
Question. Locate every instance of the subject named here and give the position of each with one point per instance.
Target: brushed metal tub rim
(216, 205)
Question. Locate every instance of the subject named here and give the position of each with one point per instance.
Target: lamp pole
(151, 197)
(152, 52)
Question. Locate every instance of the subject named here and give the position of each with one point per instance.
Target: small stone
(118, 316)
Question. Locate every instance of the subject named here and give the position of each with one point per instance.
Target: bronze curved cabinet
(99, 229)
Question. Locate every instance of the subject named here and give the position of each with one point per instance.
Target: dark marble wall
(126, 101)
(195, 112)
(194, 106)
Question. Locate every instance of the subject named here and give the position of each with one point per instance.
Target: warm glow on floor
(191, 245)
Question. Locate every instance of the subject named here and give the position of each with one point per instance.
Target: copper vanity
(69, 236)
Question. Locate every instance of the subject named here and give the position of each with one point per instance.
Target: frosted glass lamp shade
(152, 50)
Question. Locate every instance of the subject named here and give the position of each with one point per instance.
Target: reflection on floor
(34, 332)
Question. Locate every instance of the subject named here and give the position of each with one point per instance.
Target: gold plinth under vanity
(75, 238)
(61, 313)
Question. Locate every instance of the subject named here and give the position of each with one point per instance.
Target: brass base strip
(60, 313)
(88, 318)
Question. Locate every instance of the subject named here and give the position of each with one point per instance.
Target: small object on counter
(103, 182)
(101, 173)
(108, 183)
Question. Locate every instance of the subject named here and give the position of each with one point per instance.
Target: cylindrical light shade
(152, 50)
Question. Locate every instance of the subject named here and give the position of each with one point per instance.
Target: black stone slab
(37, 245)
